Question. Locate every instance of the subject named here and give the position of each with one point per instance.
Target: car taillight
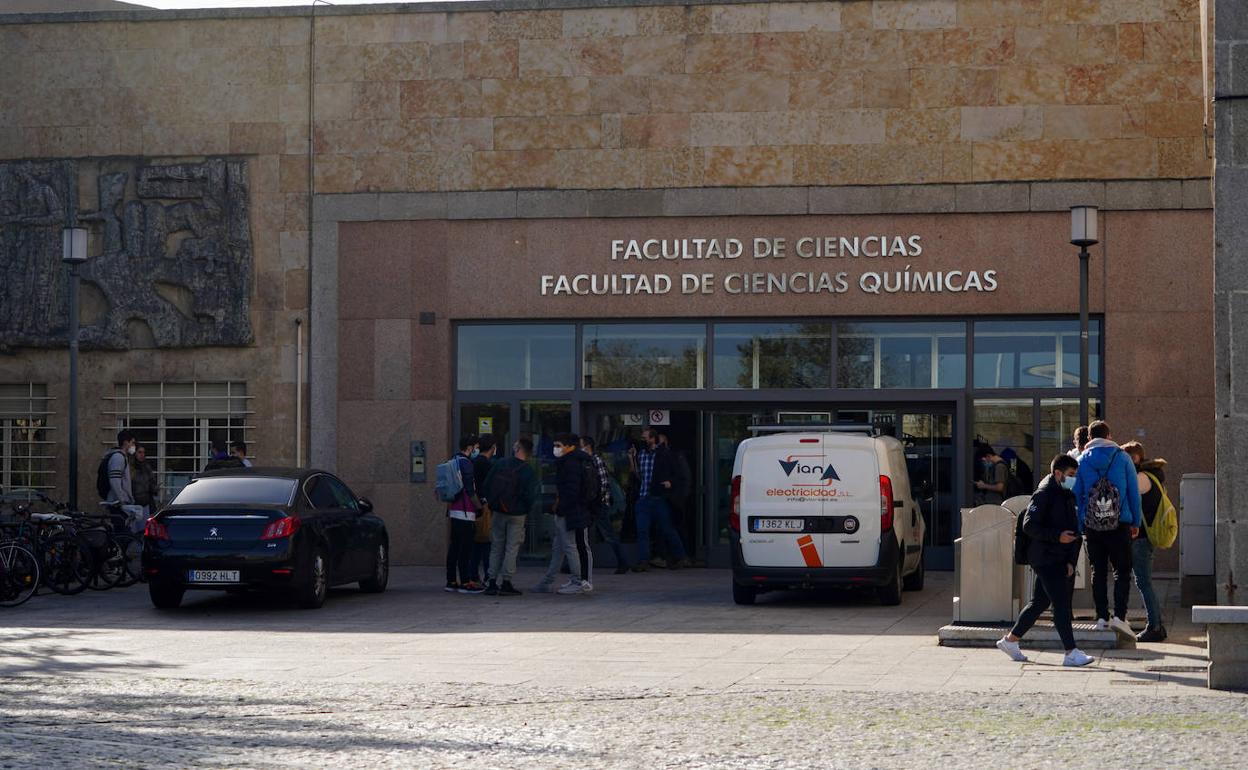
(155, 529)
(886, 504)
(281, 528)
(734, 514)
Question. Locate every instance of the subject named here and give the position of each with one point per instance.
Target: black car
(298, 531)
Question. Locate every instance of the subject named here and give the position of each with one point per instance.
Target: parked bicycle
(19, 574)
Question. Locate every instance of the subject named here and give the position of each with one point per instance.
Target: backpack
(1022, 541)
(591, 485)
(505, 486)
(618, 500)
(1104, 510)
(102, 487)
(1165, 527)
(450, 481)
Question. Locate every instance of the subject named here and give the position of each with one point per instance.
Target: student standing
(599, 513)
(1151, 476)
(462, 515)
(1051, 523)
(513, 490)
(1108, 496)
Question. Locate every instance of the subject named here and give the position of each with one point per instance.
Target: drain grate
(1178, 669)
(1131, 681)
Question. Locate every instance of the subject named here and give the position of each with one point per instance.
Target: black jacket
(1052, 511)
(664, 470)
(569, 472)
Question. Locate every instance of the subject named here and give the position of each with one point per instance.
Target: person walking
(482, 461)
(462, 514)
(513, 490)
(600, 509)
(657, 470)
(577, 486)
(1151, 476)
(1108, 496)
(1051, 525)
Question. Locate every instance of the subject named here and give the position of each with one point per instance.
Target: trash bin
(1197, 501)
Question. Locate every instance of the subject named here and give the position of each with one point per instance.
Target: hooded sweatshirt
(1103, 457)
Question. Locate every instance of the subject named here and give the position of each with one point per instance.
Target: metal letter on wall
(171, 261)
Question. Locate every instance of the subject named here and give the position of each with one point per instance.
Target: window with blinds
(27, 450)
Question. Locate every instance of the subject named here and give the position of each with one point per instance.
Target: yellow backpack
(1165, 527)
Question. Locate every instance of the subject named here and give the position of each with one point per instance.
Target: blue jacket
(1103, 457)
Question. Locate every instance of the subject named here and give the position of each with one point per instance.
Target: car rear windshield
(237, 490)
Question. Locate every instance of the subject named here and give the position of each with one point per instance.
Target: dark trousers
(1052, 587)
(459, 552)
(580, 536)
(601, 523)
(1106, 549)
(479, 560)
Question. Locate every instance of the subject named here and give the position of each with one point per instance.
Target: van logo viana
(825, 472)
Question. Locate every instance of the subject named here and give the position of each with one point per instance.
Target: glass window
(901, 355)
(1005, 425)
(516, 357)
(494, 419)
(342, 496)
(1058, 419)
(757, 356)
(26, 445)
(237, 490)
(1033, 354)
(177, 421)
(541, 421)
(651, 356)
(320, 493)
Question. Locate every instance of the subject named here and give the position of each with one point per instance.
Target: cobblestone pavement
(655, 670)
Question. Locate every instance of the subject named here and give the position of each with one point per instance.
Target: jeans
(1051, 587)
(1105, 549)
(478, 559)
(601, 523)
(459, 551)
(561, 545)
(656, 510)
(506, 537)
(1142, 566)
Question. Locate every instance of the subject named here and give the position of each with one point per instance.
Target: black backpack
(504, 487)
(1022, 541)
(102, 487)
(591, 485)
(1014, 486)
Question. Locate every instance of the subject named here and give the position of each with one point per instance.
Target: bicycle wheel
(131, 550)
(19, 575)
(110, 566)
(67, 564)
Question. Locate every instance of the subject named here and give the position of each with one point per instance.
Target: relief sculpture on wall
(170, 263)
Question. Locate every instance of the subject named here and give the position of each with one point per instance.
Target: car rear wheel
(744, 594)
(890, 592)
(376, 583)
(914, 581)
(311, 594)
(165, 596)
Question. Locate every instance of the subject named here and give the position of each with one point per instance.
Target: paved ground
(654, 670)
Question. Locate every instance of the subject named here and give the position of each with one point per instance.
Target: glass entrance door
(928, 440)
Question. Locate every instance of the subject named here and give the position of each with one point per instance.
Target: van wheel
(914, 581)
(744, 594)
(890, 592)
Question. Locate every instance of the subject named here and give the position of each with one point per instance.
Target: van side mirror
(365, 505)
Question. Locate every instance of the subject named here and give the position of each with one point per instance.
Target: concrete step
(1042, 636)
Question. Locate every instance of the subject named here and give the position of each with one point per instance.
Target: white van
(827, 507)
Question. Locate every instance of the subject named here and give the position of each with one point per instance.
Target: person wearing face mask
(221, 457)
(991, 486)
(117, 463)
(1051, 525)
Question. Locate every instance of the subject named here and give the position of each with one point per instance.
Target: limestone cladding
(784, 93)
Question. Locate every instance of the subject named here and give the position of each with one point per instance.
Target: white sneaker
(1121, 626)
(1101, 625)
(1076, 658)
(1011, 649)
(573, 586)
(587, 587)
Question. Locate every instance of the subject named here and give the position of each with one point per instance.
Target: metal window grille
(27, 451)
(177, 421)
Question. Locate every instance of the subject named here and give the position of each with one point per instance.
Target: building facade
(594, 216)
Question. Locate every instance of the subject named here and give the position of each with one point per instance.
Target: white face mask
(559, 451)
(130, 451)
(1068, 482)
